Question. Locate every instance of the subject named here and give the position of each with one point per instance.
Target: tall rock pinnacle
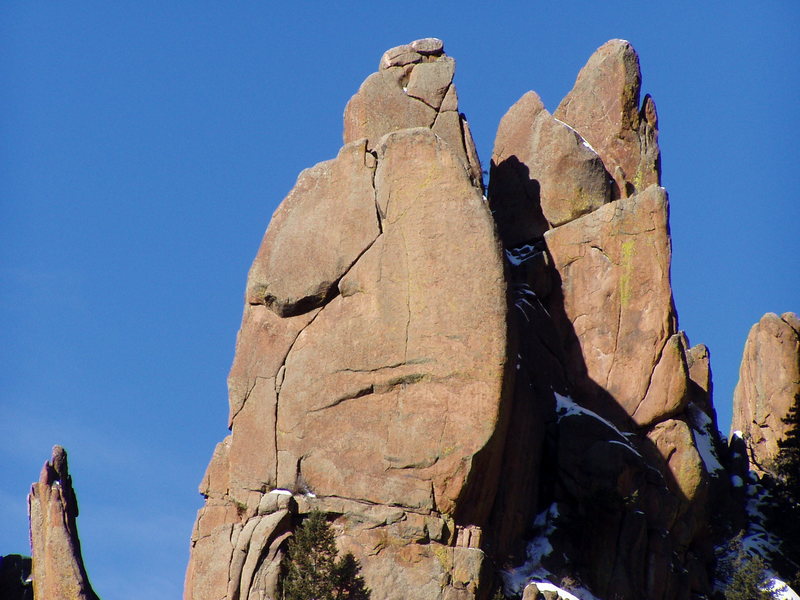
(58, 570)
(459, 383)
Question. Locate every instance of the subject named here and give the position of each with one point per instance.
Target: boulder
(768, 387)
(400, 377)
(325, 223)
(57, 570)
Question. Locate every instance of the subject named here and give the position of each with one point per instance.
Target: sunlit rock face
(57, 570)
(460, 382)
(769, 386)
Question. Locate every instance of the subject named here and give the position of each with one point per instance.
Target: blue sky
(146, 144)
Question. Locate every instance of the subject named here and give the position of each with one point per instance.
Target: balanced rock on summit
(370, 366)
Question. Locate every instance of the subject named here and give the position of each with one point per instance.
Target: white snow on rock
(280, 492)
(567, 407)
(515, 579)
(703, 431)
(585, 143)
(579, 593)
(780, 589)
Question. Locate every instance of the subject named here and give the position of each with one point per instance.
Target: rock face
(604, 108)
(58, 570)
(457, 382)
(370, 368)
(769, 385)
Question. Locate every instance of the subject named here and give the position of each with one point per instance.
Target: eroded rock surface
(604, 108)
(58, 570)
(412, 88)
(371, 362)
(448, 382)
(768, 387)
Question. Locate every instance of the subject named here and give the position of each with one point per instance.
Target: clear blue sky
(145, 145)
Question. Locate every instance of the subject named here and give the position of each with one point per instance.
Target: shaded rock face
(447, 376)
(768, 387)
(58, 570)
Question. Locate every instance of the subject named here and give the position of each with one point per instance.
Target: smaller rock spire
(58, 570)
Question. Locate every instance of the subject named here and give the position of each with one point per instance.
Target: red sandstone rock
(405, 401)
(413, 88)
(617, 312)
(58, 570)
(325, 223)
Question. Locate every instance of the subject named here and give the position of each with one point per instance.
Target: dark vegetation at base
(783, 481)
(15, 572)
(310, 568)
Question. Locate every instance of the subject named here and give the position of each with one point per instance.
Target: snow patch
(702, 432)
(280, 492)
(780, 589)
(515, 579)
(581, 593)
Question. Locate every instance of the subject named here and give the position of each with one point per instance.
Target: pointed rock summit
(58, 570)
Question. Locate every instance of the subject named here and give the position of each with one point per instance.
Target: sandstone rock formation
(451, 378)
(58, 570)
(769, 385)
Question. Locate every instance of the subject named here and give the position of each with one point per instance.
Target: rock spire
(58, 570)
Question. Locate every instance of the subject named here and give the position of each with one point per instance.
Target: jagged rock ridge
(433, 370)
(478, 392)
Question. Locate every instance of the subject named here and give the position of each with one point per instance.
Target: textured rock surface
(413, 88)
(617, 313)
(604, 108)
(547, 165)
(445, 381)
(372, 358)
(769, 385)
(58, 570)
(322, 227)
